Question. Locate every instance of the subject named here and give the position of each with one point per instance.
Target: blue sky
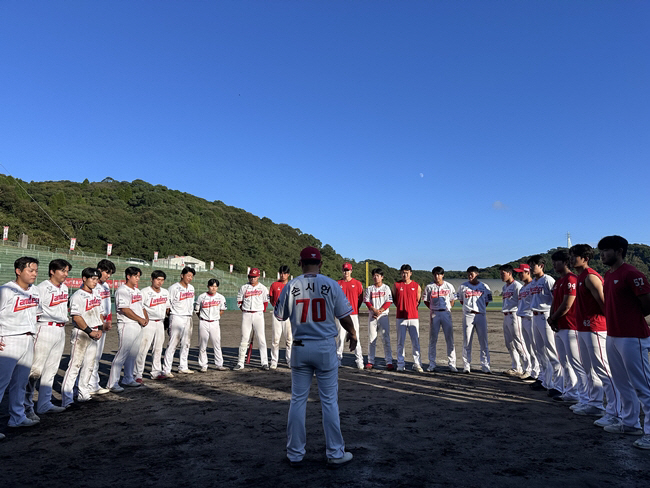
(449, 133)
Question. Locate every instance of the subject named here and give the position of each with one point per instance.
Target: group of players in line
(581, 338)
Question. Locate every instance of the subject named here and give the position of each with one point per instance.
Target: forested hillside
(139, 218)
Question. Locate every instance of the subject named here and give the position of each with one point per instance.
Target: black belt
(441, 310)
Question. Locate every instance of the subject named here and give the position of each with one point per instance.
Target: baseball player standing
(378, 298)
(439, 297)
(253, 297)
(407, 295)
(86, 310)
(563, 321)
(627, 303)
(103, 289)
(155, 300)
(131, 319)
(312, 302)
(19, 306)
(280, 328)
(525, 314)
(208, 307)
(181, 306)
(592, 339)
(512, 332)
(540, 304)
(475, 295)
(353, 290)
(50, 338)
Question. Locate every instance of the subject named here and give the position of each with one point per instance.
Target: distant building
(179, 262)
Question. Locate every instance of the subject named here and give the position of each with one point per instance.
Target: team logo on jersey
(185, 295)
(158, 301)
(136, 298)
(212, 303)
(508, 294)
(59, 299)
(103, 294)
(378, 294)
(93, 303)
(253, 293)
(25, 303)
(473, 293)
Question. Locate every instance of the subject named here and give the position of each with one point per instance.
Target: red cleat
(138, 380)
(369, 366)
(390, 367)
(160, 377)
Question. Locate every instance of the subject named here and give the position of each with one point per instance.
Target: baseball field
(404, 429)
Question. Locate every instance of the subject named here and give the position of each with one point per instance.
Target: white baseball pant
(129, 334)
(48, 349)
(441, 319)
(153, 332)
(280, 328)
(209, 330)
(628, 358)
(593, 355)
(573, 373)
(358, 352)
(478, 322)
(82, 356)
(528, 337)
(379, 325)
(94, 377)
(180, 331)
(412, 326)
(314, 357)
(253, 321)
(15, 363)
(547, 353)
(513, 336)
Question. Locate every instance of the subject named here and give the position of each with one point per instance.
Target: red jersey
(622, 307)
(406, 300)
(589, 316)
(566, 285)
(353, 289)
(274, 292)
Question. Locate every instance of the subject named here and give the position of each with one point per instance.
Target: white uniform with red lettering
(380, 297)
(525, 314)
(209, 308)
(50, 342)
(439, 298)
(103, 290)
(156, 303)
(545, 349)
(129, 332)
(83, 348)
(475, 299)
(512, 329)
(312, 302)
(181, 304)
(18, 311)
(253, 300)
(279, 328)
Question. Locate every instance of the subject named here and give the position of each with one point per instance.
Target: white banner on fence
(231, 268)
(109, 249)
(211, 265)
(155, 255)
(263, 274)
(248, 271)
(5, 234)
(73, 243)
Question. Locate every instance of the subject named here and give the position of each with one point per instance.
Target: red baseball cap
(522, 267)
(347, 267)
(254, 272)
(310, 253)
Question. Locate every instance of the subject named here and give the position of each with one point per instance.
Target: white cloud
(499, 205)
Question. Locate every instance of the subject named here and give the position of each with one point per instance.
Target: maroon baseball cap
(347, 267)
(522, 267)
(310, 253)
(254, 272)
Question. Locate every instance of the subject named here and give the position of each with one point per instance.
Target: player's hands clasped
(96, 334)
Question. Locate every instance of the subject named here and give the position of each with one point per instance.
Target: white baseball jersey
(312, 302)
(210, 306)
(54, 302)
(541, 294)
(474, 297)
(155, 303)
(103, 290)
(439, 297)
(18, 309)
(378, 297)
(88, 306)
(181, 299)
(523, 307)
(126, 297)
(510, 295)
(253, 298)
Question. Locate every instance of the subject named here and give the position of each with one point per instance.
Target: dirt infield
(404, 429)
